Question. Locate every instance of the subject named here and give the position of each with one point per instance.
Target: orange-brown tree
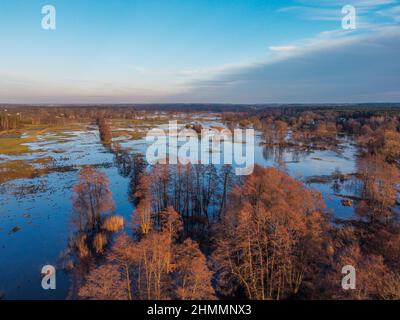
(91, 198)
(121, 254)
(271, 240)
(379, 182)
(104, 130)
(104, 283)
(373, 279)
(161, 267)
(192, 278)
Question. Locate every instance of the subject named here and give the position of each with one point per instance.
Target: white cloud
(282, 48)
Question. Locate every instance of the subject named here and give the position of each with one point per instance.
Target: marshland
(78, 193)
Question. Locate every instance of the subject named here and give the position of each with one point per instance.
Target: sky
(210, 51)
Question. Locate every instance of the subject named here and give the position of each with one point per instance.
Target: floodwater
(36, 214)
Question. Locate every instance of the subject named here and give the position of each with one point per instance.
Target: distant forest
(13, 116)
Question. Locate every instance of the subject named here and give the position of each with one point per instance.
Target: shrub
(113, 223)
(80, 244)
(99, 242)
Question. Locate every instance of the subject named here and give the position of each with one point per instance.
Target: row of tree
(104, 130)
(10, 121)
(377, 131)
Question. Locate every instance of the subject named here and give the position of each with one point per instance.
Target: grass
(13, 146)
(130, 135)
(12, 143)
(139, 123)
(23, 169)
(113, 223)
(80, 244)
(137, 135)
(99, 242)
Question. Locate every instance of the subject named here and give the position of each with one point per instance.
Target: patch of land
(19, 169)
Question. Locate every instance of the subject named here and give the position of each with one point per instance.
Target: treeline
(15, 116)
(318, 120)
(376, 131)
(18, 117)
(10, 121)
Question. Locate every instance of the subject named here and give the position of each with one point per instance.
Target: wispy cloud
(330, 67)
(392, 13)
(313, 13)
(283, 48)
(333, 66)
(328, 10)
(358, 3)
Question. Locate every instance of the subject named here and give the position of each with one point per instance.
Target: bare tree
(192, 276)
(91, 198)
(271, 239)
(104, 283)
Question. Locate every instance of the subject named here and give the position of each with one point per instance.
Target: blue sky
(230, 51)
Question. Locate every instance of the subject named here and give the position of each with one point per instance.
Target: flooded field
(37, 177)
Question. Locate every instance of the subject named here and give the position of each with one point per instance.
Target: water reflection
(278, 154)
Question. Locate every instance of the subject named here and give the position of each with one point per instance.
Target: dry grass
(80, 244)
(14, 146)
(23, 169)
(130, 135)
(113, 223)
(99, 242)
(11, 142)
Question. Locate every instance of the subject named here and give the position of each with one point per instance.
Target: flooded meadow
(38, 173)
